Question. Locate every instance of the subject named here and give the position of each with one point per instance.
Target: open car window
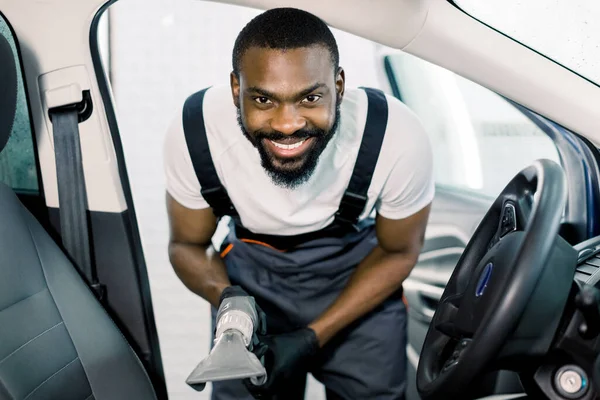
(480, 141)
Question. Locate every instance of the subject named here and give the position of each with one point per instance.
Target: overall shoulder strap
(355, 198)
(195, 135)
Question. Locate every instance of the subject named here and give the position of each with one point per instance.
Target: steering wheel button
(449, 365)
(508, 222)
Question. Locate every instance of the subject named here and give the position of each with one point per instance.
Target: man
(301, 164)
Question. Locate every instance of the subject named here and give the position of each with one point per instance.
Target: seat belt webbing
(194, 129)
(74, 228)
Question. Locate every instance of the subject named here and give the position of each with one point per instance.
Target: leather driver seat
(56, 340)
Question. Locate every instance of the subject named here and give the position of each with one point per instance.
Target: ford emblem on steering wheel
(484, 279)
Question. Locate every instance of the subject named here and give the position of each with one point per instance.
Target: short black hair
(284, 28)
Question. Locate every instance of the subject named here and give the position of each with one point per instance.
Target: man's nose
(287, 120)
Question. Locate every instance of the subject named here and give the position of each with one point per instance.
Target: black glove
(237, 291)
(285, 355)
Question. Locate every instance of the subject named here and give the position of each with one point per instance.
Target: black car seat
(56, 340)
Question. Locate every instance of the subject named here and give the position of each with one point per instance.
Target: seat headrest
(8, 90)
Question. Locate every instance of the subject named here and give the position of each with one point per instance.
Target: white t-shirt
(402, 182)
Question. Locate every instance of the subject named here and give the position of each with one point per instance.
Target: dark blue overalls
(295, 278)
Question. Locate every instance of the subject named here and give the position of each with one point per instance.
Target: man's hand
(379, 275)
(247, 305)
(285, 355)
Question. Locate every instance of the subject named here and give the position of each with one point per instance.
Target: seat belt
(194, 129)
(74, 227)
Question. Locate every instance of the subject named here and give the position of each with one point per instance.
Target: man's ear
(235, 89)
(340, 83)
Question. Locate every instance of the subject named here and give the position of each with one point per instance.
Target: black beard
(292, 176)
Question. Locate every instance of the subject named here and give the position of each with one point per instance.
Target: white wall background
(160, 52)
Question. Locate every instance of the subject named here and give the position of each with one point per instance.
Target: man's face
(288, 108)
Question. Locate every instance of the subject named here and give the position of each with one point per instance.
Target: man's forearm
(378, 276)
(200, 269)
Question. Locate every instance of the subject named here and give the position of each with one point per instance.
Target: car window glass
(17, 160)
(480, 141)
(566, 31)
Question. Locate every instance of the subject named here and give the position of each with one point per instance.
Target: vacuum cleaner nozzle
(230, 357)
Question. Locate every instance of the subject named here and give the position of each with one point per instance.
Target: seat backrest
(56, 340)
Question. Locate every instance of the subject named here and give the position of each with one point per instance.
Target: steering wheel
(493, 282)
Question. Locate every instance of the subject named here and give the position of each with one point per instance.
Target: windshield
(566, 31)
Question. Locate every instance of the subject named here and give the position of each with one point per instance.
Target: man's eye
(312, 98)
(262, 100)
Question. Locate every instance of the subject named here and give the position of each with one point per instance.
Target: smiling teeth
(288, 146)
